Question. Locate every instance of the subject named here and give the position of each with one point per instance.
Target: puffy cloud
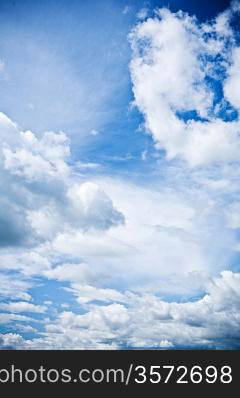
(87, 293)
(112, 316)
(13, 227)
(149, 321)
(8, 318)
(22, 306)
(84, 207)
(93, 207)
(69, 272)
(167, 226)
(38, 158)
(41, 198)
(22, 328)
(166, 246)
(14, 285)
(40, 195)
(12, 340)
(176, 66)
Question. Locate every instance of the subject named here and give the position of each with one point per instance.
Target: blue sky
(119, 171)
(67, 68)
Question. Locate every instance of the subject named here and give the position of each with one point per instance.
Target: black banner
(124, 371)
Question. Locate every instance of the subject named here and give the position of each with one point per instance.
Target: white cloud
(143, 13)
(8, 129)
(14, 286)
(65, 305)
(22, 306)
(233, 215)
(162, 226)
(94, 132)
(38, 158)
(144, 155)
(40, 196)
(22, 328)
(84, 207)
(8, 318)
(149, 343)
(87, 293)
(86, 165)
(11, 339)
(126, 9)
(47, 302)
(164, 244)
(149, 321)
(170, 63)
(94, 207)
(232, 82)
(69, 272)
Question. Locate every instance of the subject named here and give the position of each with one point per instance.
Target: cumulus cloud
(161, 227)
(148, 321)
(84, 207)
(94, 207)
(37, 158)
(22, 306)
(88, 293)
(14, 285)
(12, 340)
(115, 256)
(39, 196)
(176, 67)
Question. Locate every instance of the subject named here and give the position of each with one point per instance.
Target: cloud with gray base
(38, 195)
